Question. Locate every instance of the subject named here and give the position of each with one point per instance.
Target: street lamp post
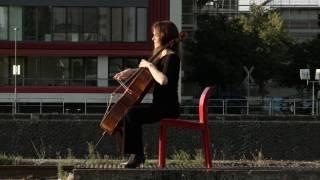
(305, 75)
(16, 69)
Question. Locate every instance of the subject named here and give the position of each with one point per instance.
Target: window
(74, 23)
(56, 75)
(90, 23)
(63, 71)
(15, 20)
(44, 24)
(3, 23)
(91, 71)
(59, 24)
(118, 64)
(76, 71)
(29, 23)
(4, 71)
(104, 24)
(115, 66)
(129, 24)
(116, 24)
(38, 74)
(33, 72)
(141, 24)
(36, 23)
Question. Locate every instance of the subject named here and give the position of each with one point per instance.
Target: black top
(166, 96)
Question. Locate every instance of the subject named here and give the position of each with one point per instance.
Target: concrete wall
(232, 137)
(182, 174)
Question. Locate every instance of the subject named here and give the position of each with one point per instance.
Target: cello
(140, 84)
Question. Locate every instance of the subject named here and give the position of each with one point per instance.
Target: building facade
(301, 18)
(69, 50)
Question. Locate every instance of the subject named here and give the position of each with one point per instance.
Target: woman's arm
(156, 74)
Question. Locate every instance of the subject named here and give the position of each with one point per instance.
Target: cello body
(137, 89)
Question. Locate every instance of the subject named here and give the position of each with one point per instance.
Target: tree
(221, 47)
(302, 55)
(272, 51)
(217, 53)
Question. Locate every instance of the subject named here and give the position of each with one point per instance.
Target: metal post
(294, 106)
(247, 106)
(15, 68)
(313, 97)
(270, 107)
(248, 83)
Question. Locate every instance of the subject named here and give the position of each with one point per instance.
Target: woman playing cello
(165, 102)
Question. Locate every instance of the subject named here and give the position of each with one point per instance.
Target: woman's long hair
(168, 31)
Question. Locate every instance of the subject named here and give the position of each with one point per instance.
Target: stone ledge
(195, 174)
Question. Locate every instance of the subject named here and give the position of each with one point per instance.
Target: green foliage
(222, 47)
(41, 151)
(60, 172)
(92, 153)
(181, 156)
(211, 58)
(258, 156)
(199, 157)
(302, 55)
(9, 159)
(70, 155)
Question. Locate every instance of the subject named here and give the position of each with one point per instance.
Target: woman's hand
(124, 74)
(156, 74)
(145, 64)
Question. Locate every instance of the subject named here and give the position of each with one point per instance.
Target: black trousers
(135, 118)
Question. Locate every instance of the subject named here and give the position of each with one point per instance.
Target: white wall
(102, 71)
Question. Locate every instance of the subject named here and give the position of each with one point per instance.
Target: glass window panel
(91, 71)
(131, 62)
(59, 23)
(33, 72)
(57, 74)
(74, 23)
(77, 71)
(116, 24)
(44, 23)
(62, 75)
(142, 24)
(15, 20)
(48, 74)
(104, 24)
(115, 66)
(3, 23)
(129, 24)
(4, 71)
(29, 23)
(90, 23)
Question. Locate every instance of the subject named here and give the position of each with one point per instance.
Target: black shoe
(134, 161)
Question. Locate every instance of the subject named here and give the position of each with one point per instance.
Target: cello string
(109, 103)
(124, 86)
(94, 148)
